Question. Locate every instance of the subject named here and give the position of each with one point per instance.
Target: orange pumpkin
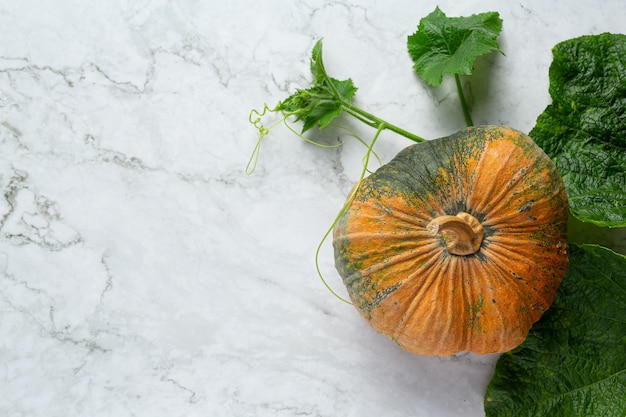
(457, 244)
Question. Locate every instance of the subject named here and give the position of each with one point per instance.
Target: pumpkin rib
(448, 336)
(390, 262)
(491, 186)
(368, 236)
(524, 189)
(483, 324)
(417, 248)
(525, 213)
(493, 342)
(421, 281)
(421, 185)
(497, 260)
(416, 305)
(415, 280)
(427, 200)
(496, 328)
(515, 246)
(457, 336)
(468, 296)
(376, 268)
(517, 232)
(462, 184)
(523, 224)
(446, 339)
(410, 218)
(499, 254)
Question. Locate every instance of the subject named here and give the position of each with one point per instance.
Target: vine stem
(378, 122)
(366, 117)
(464, 106)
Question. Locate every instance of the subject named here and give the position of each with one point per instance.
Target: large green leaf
(449, 45)
(584, 129)
(573, 362)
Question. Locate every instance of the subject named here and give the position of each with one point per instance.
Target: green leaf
(325, 100)
(584, 129)
(449, 45)
(573, 362)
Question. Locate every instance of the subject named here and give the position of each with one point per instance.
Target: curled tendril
(256, 119)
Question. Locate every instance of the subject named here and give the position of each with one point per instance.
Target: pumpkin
(458, 244)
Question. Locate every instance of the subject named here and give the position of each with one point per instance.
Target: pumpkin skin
(402, 278)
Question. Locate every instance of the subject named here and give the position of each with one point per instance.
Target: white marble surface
(142, 273)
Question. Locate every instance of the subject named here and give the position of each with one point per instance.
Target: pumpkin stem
(463, 233)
